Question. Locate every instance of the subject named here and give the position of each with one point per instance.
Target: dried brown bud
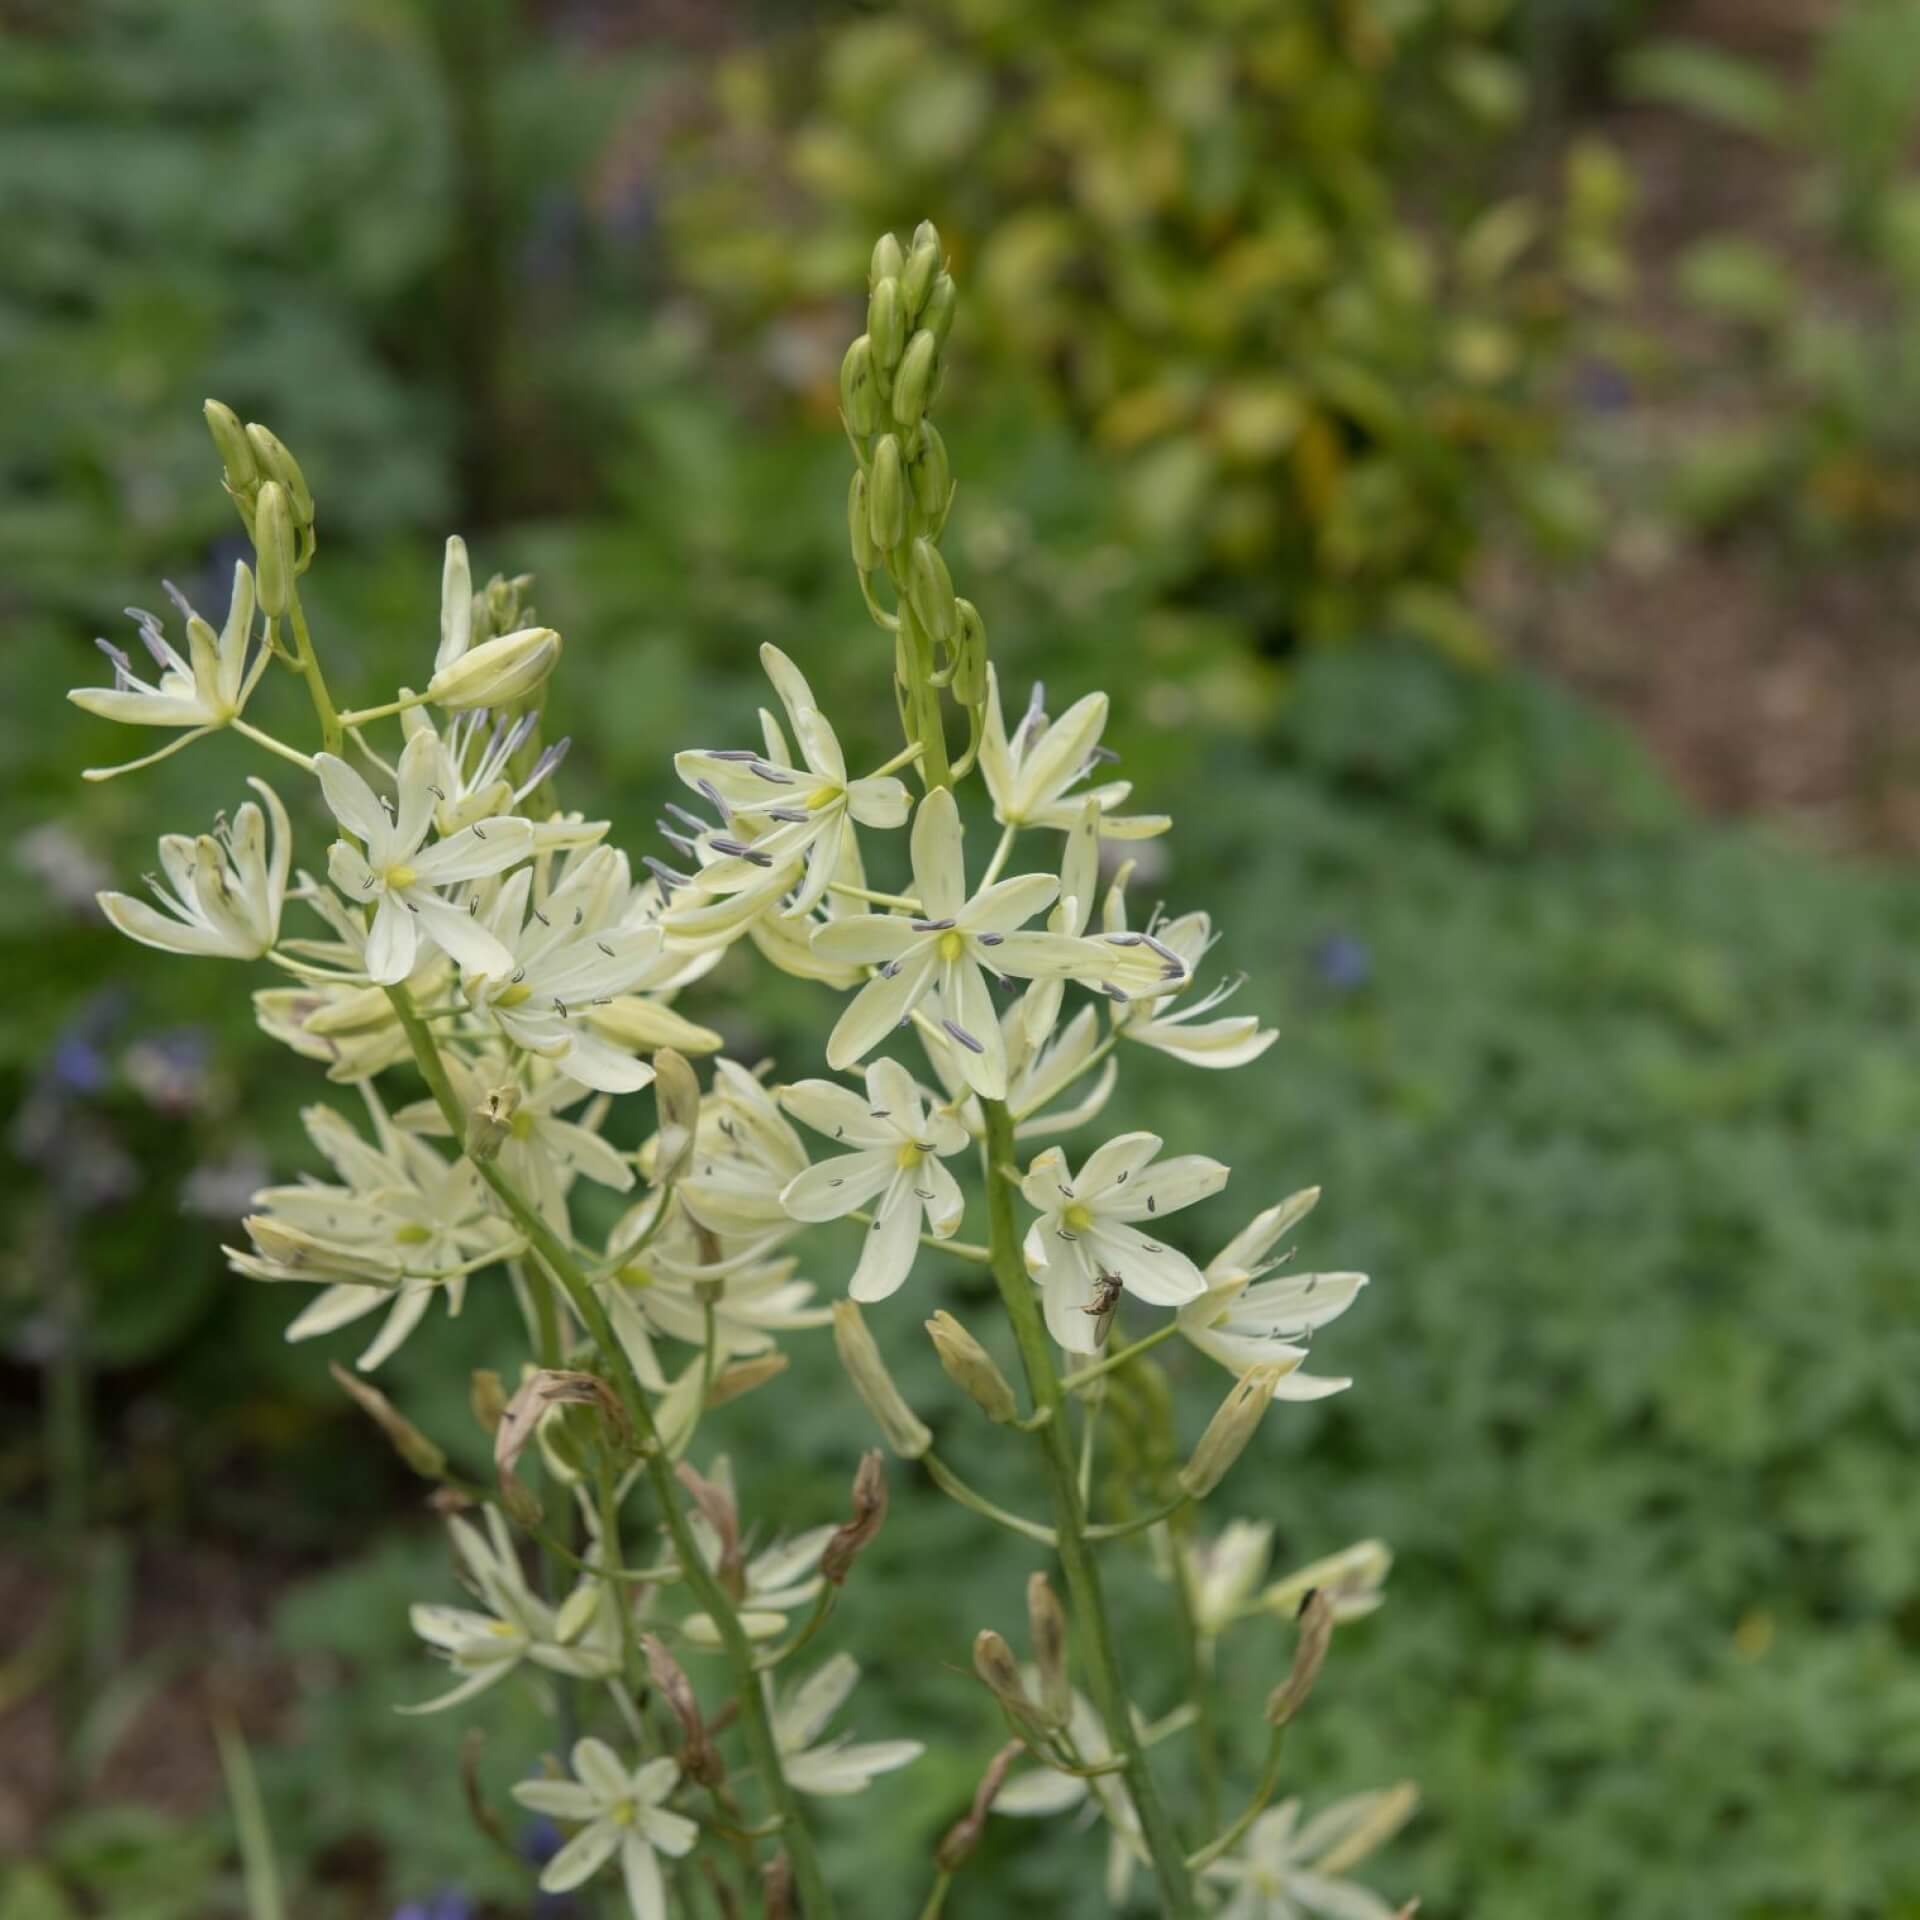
(487, 1397)
(869, 1510)
(1047, 1629)
(717, 1506)
(776, 1888)
(699, 1758)
(1309, 1656)
(993, 1661)
(903, 1430)
(536, 1396)
(413, 1446)
(957, 1844)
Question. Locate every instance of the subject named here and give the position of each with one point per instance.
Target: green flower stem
(1125, 1529)
(1268, 1787)
(816, 1901)
(301, 760)
(1076, 1555)
(950, 1483)
(1085, 1376)
(332, 735)
(923, 704)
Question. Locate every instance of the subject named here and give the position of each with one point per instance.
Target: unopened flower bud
(993, 1661)
(904, 1431)
(413, 1446)
(930, 588)
(860, 387)
(273, 549)
(887, 262)
(943, 300)
(869, 1510)
(235, 450)
(743, 1376)
(1383, 1816)
(1229, 1430)
(866, 556)
(970, 656)
(676, 1094)
(1047, 1630)
(923, 266)
(276, 463)
(496, 672)
(886, 323)
(887, 495)
(1309, 1656)
(913, 383)
(971, 1368)
(929, 474)
(487, 1398)
(456, 604)
(490, 1124)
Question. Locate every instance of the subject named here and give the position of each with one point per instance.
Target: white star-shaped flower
(563, 955)
(1184, 1031)
(395, 871)
(580, 1637)
(956, 941)
(896, 1146)
(200, 693)
(775, 814)
(1033, 774)
(843, 1765)
(1089, 1237)
(1285, 1870)
(228, 888)
(1222, 1572)
(624, 1813)
(1243, 1325)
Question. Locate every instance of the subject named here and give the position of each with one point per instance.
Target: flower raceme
(502, 951)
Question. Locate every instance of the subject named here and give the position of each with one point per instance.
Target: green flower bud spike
(943, 297)
(923, 265)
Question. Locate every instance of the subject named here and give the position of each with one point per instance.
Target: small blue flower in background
(450, 1905)
(1343, 962)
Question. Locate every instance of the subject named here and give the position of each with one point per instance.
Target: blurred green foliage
(1615, 1107)
(1263, 253)
(1817, 318)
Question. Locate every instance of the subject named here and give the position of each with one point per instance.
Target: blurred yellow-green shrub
(1812, 366)
(1262, 250)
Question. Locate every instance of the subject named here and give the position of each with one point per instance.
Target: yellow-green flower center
(1076, 1219)
(399, 877)
(822, 798)
(623, 1813)
(513, 996)
(952, 945)
(909, 1155)
(413, 1236)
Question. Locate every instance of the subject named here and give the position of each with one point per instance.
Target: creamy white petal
(1008, 904)
(1165, 1187)
(886, 1254)
(581, 1858)
(880, 1006)
(831, 1188)
(1150, 1269)
(939, 861)
(868, 939)
(836, 1111)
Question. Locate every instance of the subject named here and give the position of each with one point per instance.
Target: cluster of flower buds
(902, 487)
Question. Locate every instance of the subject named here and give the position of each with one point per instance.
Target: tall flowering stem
(512, 957)
(1070, 1520)
(559, 1260)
